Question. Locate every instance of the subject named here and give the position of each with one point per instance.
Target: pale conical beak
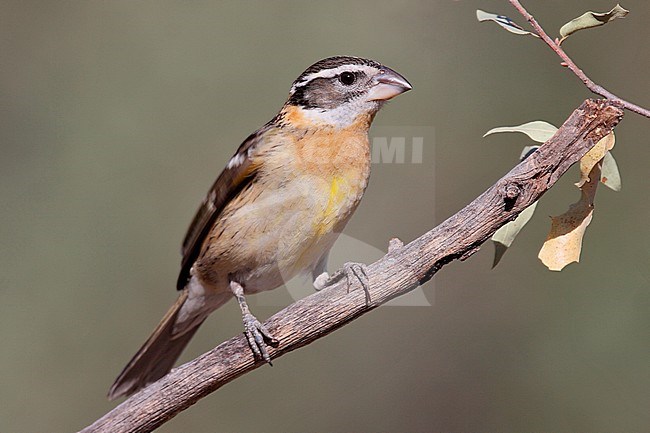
(388, 84)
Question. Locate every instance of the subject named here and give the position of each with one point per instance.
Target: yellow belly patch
(336, 198)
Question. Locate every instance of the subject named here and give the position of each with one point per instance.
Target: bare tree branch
(555, 46)
(398, 272)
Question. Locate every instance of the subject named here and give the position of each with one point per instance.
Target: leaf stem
(555, 46)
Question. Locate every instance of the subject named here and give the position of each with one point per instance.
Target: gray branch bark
(398, 272)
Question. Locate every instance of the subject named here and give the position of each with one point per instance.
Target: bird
(275, 210)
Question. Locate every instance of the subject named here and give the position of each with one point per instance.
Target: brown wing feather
(230, 182)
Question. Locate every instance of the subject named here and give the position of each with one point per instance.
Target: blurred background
(117, 116)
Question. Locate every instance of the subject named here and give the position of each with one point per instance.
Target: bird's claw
(257, 336)
(350, 271)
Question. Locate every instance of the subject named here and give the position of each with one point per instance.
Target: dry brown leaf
(593, 157)
(564, 241)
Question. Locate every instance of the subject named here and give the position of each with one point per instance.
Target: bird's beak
(387, 85)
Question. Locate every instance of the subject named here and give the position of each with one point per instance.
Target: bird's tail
(161, 350)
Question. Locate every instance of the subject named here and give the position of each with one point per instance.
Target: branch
(404, 268)
(555, 46)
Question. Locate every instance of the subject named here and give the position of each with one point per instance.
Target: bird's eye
(347, 78)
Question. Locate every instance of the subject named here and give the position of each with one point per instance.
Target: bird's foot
(350, 271)
(257, 336)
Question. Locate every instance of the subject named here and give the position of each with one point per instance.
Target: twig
(595, 88)
(398, 272)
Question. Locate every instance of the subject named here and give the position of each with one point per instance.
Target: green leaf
(592, 19)
(505, 236)
(504, 22)
(609, 174)
(539, 131)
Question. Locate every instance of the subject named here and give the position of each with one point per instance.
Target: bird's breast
(336, 164)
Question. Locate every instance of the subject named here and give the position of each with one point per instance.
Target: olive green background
(116, 116)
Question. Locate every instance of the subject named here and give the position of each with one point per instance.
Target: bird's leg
(255, 332)
(349, 270)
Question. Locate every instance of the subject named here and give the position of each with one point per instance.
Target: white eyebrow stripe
(333, 72)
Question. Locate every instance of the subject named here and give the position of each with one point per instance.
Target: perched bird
(276, 209)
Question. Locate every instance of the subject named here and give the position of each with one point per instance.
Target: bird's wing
(238, 173)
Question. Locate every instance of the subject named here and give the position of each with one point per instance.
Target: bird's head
(339, 91)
